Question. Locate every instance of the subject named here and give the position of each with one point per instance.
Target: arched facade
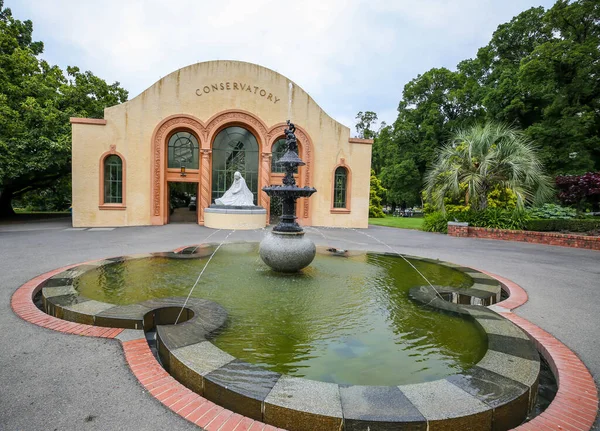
(266, 137)
(203, 100)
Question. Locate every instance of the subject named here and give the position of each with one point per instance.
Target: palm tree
(483, 157)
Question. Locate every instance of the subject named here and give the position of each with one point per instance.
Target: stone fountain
(285, 248)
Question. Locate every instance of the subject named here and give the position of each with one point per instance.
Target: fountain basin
(494, 392)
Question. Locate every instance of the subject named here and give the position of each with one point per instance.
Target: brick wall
(549, 238)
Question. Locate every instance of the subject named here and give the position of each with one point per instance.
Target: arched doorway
(182, 156)
(257, 139)
(234, 149)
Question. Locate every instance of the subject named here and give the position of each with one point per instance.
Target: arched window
(234, 149)
(113, 180)
(183, 151)
(340, 188)
(279, 149)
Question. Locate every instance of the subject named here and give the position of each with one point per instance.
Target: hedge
(557, 225)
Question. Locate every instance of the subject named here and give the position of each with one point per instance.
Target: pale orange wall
(129, 127)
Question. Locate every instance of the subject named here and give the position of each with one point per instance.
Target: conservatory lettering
(237, 86)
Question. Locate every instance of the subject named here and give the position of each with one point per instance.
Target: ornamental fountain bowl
(287, 251)
(285, 248)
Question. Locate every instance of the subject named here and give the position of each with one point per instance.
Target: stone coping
(491, 393)
(235, 210)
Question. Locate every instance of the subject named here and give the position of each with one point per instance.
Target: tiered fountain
(285, 248)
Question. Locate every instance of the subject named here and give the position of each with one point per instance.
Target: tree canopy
(540, 72)
(36, 101)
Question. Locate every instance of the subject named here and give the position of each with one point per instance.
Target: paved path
(53, 381)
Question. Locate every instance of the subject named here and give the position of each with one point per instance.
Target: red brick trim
(548, 238)
(173, 395)
(23, 306)
(575, 405)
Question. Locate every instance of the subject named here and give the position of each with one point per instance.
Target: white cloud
(349, 55)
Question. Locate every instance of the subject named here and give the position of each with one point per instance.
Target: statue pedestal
(238, 218)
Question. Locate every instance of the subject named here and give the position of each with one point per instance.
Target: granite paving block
(202, 357)
(123, 316)
(208, 318)
(50, 292)
(485, 280)
(240, 387)
(130, 311)
(495, 289)
(189, 364)
(486, 316)
(508, 398)
(84, 312)
(181, 335)
(131, 334)
(90, 307)
(379, 408)
(522, 370)
(448, 407)
(61, 281)
(515, 346)
(297, 404)
(67, 300)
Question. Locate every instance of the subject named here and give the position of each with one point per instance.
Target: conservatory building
(166, 155)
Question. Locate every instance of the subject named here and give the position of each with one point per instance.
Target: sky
(349, 55)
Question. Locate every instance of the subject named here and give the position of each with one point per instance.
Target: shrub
(494, 218)
(580, 190)
(558, 225)
(552, 211)
(501, 197)
(435, 222)
(375, 197)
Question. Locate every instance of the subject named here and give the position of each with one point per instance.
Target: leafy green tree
(485, 157)
(403, 182)
(36, 102)
(538, 72)
(433, 104)
(366, 120)
(376, 194)
(535, 73)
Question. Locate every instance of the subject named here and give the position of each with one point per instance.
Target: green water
(345, 320)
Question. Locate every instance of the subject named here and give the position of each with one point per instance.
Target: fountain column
(285, 248)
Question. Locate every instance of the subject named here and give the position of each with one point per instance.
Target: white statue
(238, 194)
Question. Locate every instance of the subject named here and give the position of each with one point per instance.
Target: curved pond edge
(574, 407)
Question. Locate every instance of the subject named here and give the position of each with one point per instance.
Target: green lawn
(400, 222)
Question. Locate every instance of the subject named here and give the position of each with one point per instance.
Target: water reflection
(344, 319)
